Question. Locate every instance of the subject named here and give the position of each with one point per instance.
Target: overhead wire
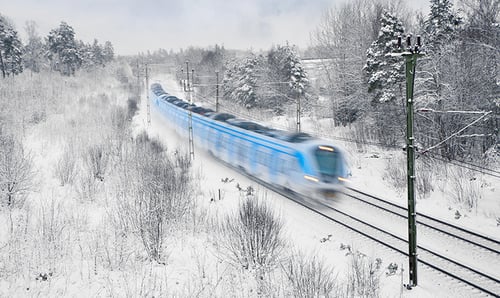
(459, 163)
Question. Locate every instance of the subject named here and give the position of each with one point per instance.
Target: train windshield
(328, 161)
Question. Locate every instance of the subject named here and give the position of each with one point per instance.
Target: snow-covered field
(61, 244)
(309, 231)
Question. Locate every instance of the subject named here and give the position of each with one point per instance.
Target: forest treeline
(59, 50)
(352, 79)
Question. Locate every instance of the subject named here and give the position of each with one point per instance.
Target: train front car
(325, 169)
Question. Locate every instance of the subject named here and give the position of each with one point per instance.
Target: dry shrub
(65, 168)
(466, 188)
(310, 277)
(87, 186)
(96, 160)
(396, 174)
(363, 278)
(251, 238)
(425, 172)
(154, 195)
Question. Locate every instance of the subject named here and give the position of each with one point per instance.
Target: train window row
(228, 118)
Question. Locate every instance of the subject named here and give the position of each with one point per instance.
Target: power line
(459, 163)
(468, 166)
(457, 132)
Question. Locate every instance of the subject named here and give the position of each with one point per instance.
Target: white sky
(135, 26)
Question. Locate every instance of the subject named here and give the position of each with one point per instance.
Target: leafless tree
(16, 172)
(154, 195)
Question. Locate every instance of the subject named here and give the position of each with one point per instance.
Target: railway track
(483, 282)
(470, 237)
(484, 278)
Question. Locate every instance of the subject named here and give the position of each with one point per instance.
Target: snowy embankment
(306, 230)
(70, 239)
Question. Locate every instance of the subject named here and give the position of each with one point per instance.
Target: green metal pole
(411, 61)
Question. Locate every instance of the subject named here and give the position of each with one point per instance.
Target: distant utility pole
(187, 89)
(216, 91)
(411, 54)
(147, 96)
(138, 77)
(298, 111)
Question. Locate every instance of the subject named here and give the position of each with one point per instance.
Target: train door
(259, 163)
(241, 157)
(272, 166)
(222, 151)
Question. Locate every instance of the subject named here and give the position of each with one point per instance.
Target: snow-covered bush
(96, 160)
(396, 174)
(86, 186)
(310, 277)
(154, 195)
(363, 279)
(65, 168)
(465, 188)
(251, 238)
(425, 173)
(16, 172)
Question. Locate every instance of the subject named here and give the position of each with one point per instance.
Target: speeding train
(295, 162)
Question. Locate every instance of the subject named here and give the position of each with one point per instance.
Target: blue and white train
(292, 161)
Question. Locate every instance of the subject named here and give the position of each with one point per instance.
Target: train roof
(291, 137)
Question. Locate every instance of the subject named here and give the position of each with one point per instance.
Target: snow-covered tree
(34, 50)
(459, 72)
(92, 54)
(97, 54)
(385, 72)
(284, 67)
(10, 49)
(240, 82)
(441, 25)
(63, 51)
(108, 52)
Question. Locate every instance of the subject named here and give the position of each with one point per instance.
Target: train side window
(293, 165)
(241, 150)
(260, 157)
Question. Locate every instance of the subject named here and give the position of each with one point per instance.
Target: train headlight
(311, 178)
(326, 148)
(341, 179)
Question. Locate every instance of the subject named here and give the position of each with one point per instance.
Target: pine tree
(63, 51)
(97, 54)
(441, 25)
(108, 52)
(11, 61)
(385, 72)
(240, 81)
(285, 67)
(246, 82)
(284, 79)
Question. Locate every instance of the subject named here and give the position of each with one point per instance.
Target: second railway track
(483, 281)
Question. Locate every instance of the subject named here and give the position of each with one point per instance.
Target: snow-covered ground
(69, 247)
(309, 231)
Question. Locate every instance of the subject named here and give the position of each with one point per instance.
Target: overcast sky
(138, 25)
